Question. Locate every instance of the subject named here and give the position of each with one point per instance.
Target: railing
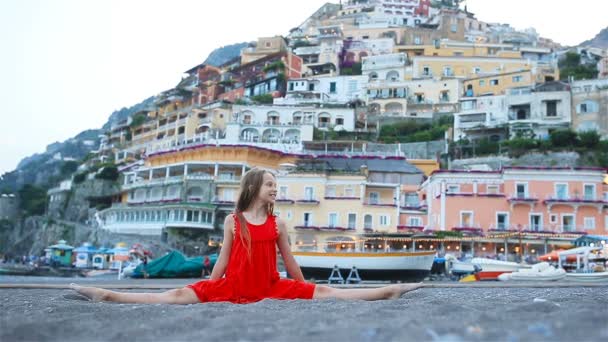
(574, 199)
(547, 229)
(379, 204)
(522, 197)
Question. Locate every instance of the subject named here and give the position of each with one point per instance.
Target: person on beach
(246, 270)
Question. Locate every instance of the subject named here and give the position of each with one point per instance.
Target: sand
(428, 314)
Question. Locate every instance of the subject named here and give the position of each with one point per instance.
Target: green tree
(109, 172)
(571, 66)
(32, 200)
(563, 138)
(589, 139)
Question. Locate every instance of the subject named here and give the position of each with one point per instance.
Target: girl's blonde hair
(251, 183)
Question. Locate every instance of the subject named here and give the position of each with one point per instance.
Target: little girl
(246, 270)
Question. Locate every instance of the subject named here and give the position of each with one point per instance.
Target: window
(333, 220)
(502, 221)
(536, 222)
(589, 222)
(417, 40)
(453, 189)
(482, 83)
(426, 71)
(307, 219)
(492, 189)
(384, 220)
(553, 218)
(228, 195)
(568, 223)
(476, 70)
(348, 192)
(453, 27)
(494, 82)
(551, 108)
(516, 79)
(374, 198)
(332, 87)
(561, 191)
(308, 193)
(466, 219)
(589, 192)
(414, 221)
(339, 121)
(352, 221)
(291, 86)
(283, 192)
(447, 71)
(311, 87)
(606, 222)
(367, 221)
(521, 190)
(330, 191)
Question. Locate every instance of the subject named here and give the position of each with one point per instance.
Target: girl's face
(268, 191)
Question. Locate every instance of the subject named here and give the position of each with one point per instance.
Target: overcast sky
(66, 65)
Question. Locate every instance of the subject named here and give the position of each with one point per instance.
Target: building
(425, 98)
(529, 112)
(264, 46)
(323, 89)
(590, 106)
(385, 67)
(330, 199)
(516, 211)
(191, 188)
(290, 117)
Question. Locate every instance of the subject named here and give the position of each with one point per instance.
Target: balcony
(285, 201)
(380, 204)
(575, 201)
(310, 200)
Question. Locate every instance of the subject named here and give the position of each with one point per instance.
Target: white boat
(404, 266)
(584, 272)
(538, 272)
(491, 268)
(588, 277)
(483, 268)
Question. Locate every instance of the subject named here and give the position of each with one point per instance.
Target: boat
(491, 268)
(393, 266)
(539, 272)
(583, 257)
(482, 268)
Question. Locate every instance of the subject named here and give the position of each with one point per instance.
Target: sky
(66, 65)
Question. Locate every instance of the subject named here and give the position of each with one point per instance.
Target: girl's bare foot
(93, 293)
(395, 291)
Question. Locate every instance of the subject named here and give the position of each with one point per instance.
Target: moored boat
(539, 272)
(398, 266)
(588, 277)
(491, 269)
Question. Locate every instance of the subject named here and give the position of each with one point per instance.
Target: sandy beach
(440, 313)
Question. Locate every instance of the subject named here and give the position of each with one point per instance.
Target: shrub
(589, 139)
(563, 138)
(108, 173)
(264, 98)
(79, 177)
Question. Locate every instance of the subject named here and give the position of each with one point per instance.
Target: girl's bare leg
(177, 296)
(386, 292)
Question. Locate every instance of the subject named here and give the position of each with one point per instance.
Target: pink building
(528, 199)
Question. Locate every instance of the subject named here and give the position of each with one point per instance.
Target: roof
(398, 165)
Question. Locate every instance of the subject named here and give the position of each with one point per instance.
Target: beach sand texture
(428, 314)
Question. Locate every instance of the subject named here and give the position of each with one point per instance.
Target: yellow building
(498, 84)
(329, 199)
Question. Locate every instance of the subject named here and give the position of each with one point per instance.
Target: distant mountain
(599, 41)
(46, 169)
(222, 55)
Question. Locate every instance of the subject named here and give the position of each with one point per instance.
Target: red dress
(251, 280)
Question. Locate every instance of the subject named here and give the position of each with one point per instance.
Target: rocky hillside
(222, 55)
(599, 41)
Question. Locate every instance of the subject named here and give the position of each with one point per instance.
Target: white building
(385, 67)
(529, 112)
(387, 13)
(330, 89)
(290, 119)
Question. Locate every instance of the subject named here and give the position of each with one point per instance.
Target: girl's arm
(222, 261)
(291, 265)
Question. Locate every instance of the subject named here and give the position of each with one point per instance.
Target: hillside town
(314, 106)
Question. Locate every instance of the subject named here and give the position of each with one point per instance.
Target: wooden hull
(413, 266)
